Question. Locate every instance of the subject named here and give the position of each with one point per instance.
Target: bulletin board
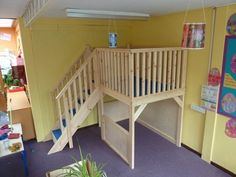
(227, 96)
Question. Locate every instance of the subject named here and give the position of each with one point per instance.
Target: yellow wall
(8, 44)
(166, 31)
(50, 47)
(224, 148)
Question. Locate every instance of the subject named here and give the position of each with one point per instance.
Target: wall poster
(227, 96)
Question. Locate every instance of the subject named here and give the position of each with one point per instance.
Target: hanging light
(194, 33)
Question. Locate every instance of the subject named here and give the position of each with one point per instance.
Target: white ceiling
(56, 8)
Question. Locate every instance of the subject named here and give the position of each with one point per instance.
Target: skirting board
(155, 130)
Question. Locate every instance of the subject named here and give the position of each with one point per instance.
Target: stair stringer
(76, 121)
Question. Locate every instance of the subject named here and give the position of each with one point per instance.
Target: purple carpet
(155, 157)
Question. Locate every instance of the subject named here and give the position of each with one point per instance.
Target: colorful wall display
(231, 25)
(209, 97)
(193, 35)
(230, 128)
(227, 96)
(214, 77)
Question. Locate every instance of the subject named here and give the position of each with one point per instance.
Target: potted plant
(86, 167)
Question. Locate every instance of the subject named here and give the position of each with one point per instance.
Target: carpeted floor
(155, 157)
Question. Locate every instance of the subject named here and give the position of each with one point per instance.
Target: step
(56, 134)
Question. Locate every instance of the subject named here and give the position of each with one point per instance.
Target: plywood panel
(116, 137)
(162, 116)
(116, 110)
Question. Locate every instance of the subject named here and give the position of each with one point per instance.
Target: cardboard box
(18, 104)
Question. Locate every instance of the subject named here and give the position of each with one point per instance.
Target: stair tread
(57, 133)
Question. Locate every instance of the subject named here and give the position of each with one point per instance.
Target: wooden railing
(158, 70)
(74, 67)
(77, 90)
(114, 67)
(142, 72)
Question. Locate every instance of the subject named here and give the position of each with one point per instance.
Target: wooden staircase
(75, 101)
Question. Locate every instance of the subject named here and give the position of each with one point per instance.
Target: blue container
(112, 40)
(3, 136)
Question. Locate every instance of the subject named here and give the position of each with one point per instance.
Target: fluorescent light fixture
(6, 23)
(105, 14)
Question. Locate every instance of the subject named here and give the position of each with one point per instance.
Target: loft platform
(135, 77)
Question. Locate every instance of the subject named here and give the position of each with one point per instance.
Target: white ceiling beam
(33, 10)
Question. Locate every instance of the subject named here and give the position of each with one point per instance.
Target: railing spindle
(178, 69)
(184, 68)
(70, 102)
(115, 70)
(75, 96)
(169, 61)
(137, 74)
(123, 73)
(126, 74)
(143, 72)
(85, 83)
(90, 77)
(119, 72)
(154, 70)
(164, 72)
(149, 73)
(174, 71)
(80, 90)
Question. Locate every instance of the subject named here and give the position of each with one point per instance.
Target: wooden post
(180, 123)
(60, 113)
(102, 121)
(68, 128)
(131, 144)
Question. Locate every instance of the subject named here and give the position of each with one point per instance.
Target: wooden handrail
(78, 62)
(76, 74)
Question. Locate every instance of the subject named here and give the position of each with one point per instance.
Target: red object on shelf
(18, 89)
(13, 135)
